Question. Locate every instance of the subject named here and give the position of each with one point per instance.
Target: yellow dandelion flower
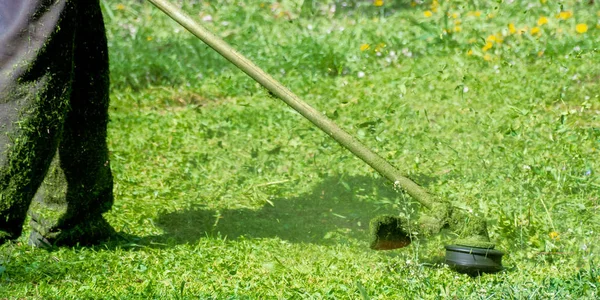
(470, 52)
(535, 30)
(564, 15)
(554, 235)
(457, 29)
(120, 6)
(454, 16)
(487, 46)
(457, 22)
(511, 28)
(542, 20)
(148, 38)
(434, 5)
(428, 14)
(475, 13)
(543, 1)
(487, 57)
(581, 28)
(365, 47)
(491, 38)
(378, 3)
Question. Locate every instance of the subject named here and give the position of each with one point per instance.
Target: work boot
(88, 233)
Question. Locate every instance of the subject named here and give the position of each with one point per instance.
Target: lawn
(227, 193)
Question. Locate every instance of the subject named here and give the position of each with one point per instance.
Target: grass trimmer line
(472, 253)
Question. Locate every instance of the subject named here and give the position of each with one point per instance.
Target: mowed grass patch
(228, 193)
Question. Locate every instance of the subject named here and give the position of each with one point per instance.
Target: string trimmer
(472, 253)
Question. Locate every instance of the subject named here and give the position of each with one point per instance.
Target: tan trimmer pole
(321, 121)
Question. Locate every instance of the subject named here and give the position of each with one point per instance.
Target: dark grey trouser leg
(35, 76)
(79, 183)
(71, 102)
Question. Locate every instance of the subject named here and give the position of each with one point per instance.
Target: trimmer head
(391, 232)
(472, 260)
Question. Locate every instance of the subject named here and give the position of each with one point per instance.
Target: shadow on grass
(337, 210)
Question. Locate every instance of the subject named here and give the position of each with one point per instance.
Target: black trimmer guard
(474, 261)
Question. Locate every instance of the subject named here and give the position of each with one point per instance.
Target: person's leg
(35, 81)
(78, 188)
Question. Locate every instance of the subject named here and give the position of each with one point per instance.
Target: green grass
(233, 195)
